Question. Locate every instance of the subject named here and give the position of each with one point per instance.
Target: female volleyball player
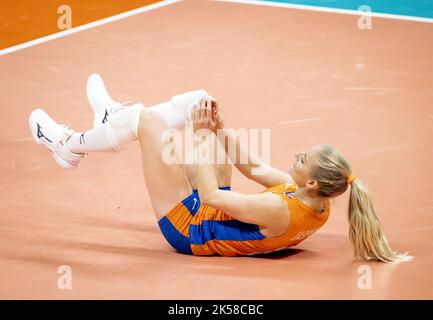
(196, 209)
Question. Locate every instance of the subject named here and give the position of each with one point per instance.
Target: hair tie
(351, 178)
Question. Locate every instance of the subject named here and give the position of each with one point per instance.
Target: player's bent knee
(188, 98)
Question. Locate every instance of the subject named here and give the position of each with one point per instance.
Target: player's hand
(202, 114)
(216, 114)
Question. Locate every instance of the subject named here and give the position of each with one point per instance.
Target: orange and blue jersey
(194, 228)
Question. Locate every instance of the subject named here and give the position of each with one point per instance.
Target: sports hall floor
(309, 74)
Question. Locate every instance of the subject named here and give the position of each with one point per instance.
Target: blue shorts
(175, 224)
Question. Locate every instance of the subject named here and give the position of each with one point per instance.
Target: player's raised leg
(167, 184)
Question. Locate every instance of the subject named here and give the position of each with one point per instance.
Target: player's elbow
(207, 198)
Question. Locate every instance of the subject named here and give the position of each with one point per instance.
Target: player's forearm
(207, 180)
(241, 157)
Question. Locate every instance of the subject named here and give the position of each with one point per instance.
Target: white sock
(114, 135)
(122, 127)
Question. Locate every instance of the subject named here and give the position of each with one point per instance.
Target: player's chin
(293, 174)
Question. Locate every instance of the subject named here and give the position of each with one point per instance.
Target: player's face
(301, 168)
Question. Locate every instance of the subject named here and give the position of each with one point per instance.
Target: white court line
(298, 121)
(370, 89)
(332, 10)
(87, 26)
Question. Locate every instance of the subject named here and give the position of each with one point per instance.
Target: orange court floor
(310, 77)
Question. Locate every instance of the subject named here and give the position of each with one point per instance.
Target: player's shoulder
(285, 187)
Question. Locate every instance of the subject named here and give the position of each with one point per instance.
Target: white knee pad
(123, 126)
(178, 110)
(184, 102)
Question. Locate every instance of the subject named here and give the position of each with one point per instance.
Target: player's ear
(312, 185)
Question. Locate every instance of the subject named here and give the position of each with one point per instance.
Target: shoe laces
(66, 136)
(68, 133)
(113, 108)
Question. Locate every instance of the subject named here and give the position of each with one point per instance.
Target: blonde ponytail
(332, 171)
(365, 233)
